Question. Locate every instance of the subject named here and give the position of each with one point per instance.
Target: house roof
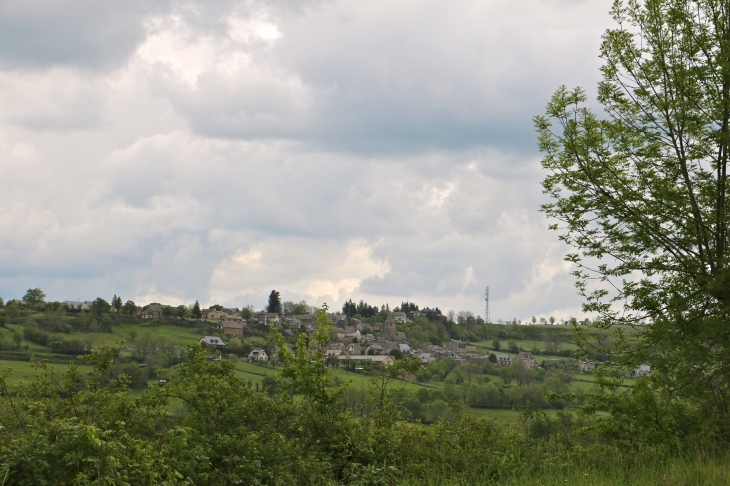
(213, 340)
(375, 358)
(256, 352)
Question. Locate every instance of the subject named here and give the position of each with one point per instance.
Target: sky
(173, 151)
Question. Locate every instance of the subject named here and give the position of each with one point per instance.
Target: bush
(67, 346)
(36, 336)
(136, 375)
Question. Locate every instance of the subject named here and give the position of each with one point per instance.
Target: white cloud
(219, 150)
(292, 266)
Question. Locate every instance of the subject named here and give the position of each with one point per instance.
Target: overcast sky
(170, 151)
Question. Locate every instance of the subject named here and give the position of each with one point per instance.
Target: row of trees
(362, 309)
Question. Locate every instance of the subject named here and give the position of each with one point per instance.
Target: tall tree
(197, 313)
(349, 308)
(34, 297)
(274, 306)
(640, 192)
(117, 302)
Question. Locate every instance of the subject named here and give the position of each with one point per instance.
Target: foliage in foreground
(639, 191)
(75, 429)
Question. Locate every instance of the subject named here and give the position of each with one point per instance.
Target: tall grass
(596, 467)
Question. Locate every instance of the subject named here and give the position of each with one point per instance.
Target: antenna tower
(487, 319)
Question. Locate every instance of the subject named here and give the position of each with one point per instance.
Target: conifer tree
(197, 313)
(274, 306)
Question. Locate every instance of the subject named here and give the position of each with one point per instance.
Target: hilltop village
(361, 335)
(460, 358)
(353, 339)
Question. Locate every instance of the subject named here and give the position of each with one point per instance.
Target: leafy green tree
(505, 375)
(100, 306)
(12, 310)
(34, 297)
(2, 302)
(301, 308)
(513, 346)
(492, 358)
(640, 193)
(306, 371)
(129, 307)
(135, 374)
(18, 338)
(247, 312)
(396, 353)
(197, 313)
(274, 306)
(521, 373)
(553, 343)
(496, 345)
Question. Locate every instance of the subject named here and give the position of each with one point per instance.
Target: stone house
(527, 359)
(234, 328)
(153, 311)
(354, 348)
(375, 348)
(267, 318)
(306, 319)
(337, 320)
(214, 314)
(459, 346)
(586, 366)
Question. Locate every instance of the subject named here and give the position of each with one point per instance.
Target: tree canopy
(34, 297)
(640, 192)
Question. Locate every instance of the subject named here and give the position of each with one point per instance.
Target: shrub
(36, 336)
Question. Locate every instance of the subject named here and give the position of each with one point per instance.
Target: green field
(485, 347)
(24, 371)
